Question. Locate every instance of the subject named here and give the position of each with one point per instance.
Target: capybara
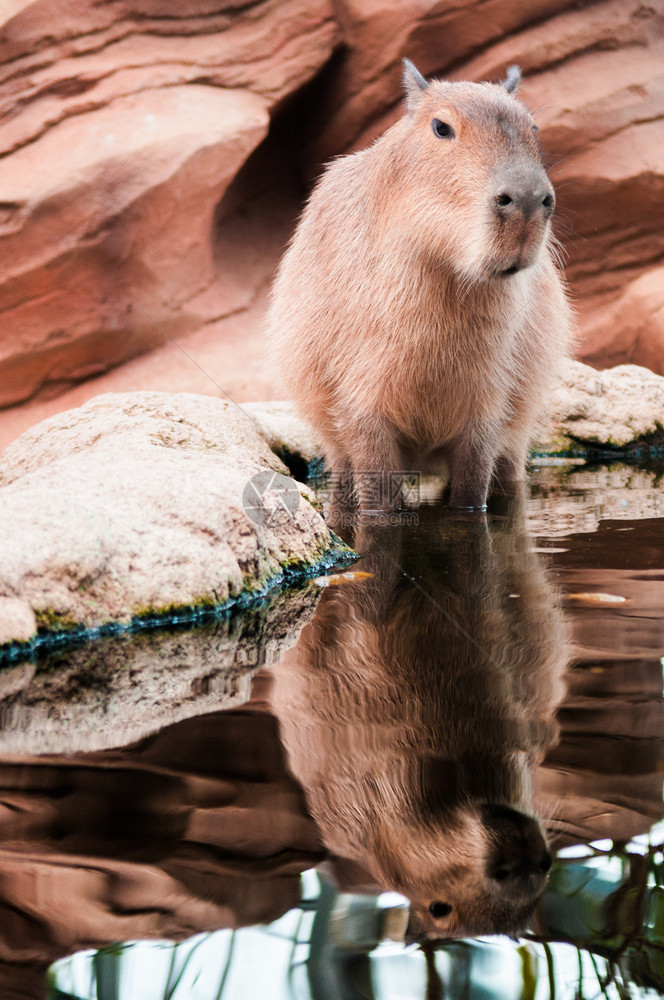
(414, 710)
(418, 313)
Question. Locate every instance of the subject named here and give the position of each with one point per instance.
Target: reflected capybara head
(483, 874)
(414, 709)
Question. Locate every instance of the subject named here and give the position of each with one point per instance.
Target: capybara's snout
(521, 201)
(523, 190)
(519, 855)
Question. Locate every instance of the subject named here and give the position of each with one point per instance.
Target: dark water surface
(438, 775)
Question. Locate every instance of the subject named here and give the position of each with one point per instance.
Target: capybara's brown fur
(414, 710)
(418, 313)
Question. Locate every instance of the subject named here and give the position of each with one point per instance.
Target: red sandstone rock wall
(150, 156)
(122, 126)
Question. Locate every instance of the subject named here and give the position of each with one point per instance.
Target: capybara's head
(485, 873)
(477, 195)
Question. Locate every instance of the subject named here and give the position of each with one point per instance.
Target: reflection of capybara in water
(418, 313)
(414, 709)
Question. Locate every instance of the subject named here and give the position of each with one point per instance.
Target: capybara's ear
(512, 80)
(414, 84)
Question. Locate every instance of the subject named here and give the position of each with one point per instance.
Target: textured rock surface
(116, 690)
(151, 161)
(285, 430)
(134, 503)
(80, 290)
(616, 407)
(122, 126)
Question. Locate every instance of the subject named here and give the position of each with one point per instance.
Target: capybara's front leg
(471, 468)
(377, 472)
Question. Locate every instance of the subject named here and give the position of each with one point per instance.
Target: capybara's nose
(519, 846)
(529, 863)
(524, 194)
(545, 862)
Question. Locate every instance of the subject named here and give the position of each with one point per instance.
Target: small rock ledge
(617, 412)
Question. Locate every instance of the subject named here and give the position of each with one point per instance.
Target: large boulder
(145, 503)
(619, 409)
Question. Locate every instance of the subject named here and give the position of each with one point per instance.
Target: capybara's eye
(535, 128)
(438, 909)
(442, 129)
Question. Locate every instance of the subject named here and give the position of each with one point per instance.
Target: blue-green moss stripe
(204, 610)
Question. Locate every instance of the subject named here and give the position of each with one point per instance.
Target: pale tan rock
(17, 620)
(287, 433)
(616, 408)
(142, 502)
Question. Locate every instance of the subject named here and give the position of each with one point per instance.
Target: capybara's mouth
(504, 272)
(522, 262)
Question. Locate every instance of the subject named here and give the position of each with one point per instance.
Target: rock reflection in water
(196, 828)
(414, 710)
(116, 690)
